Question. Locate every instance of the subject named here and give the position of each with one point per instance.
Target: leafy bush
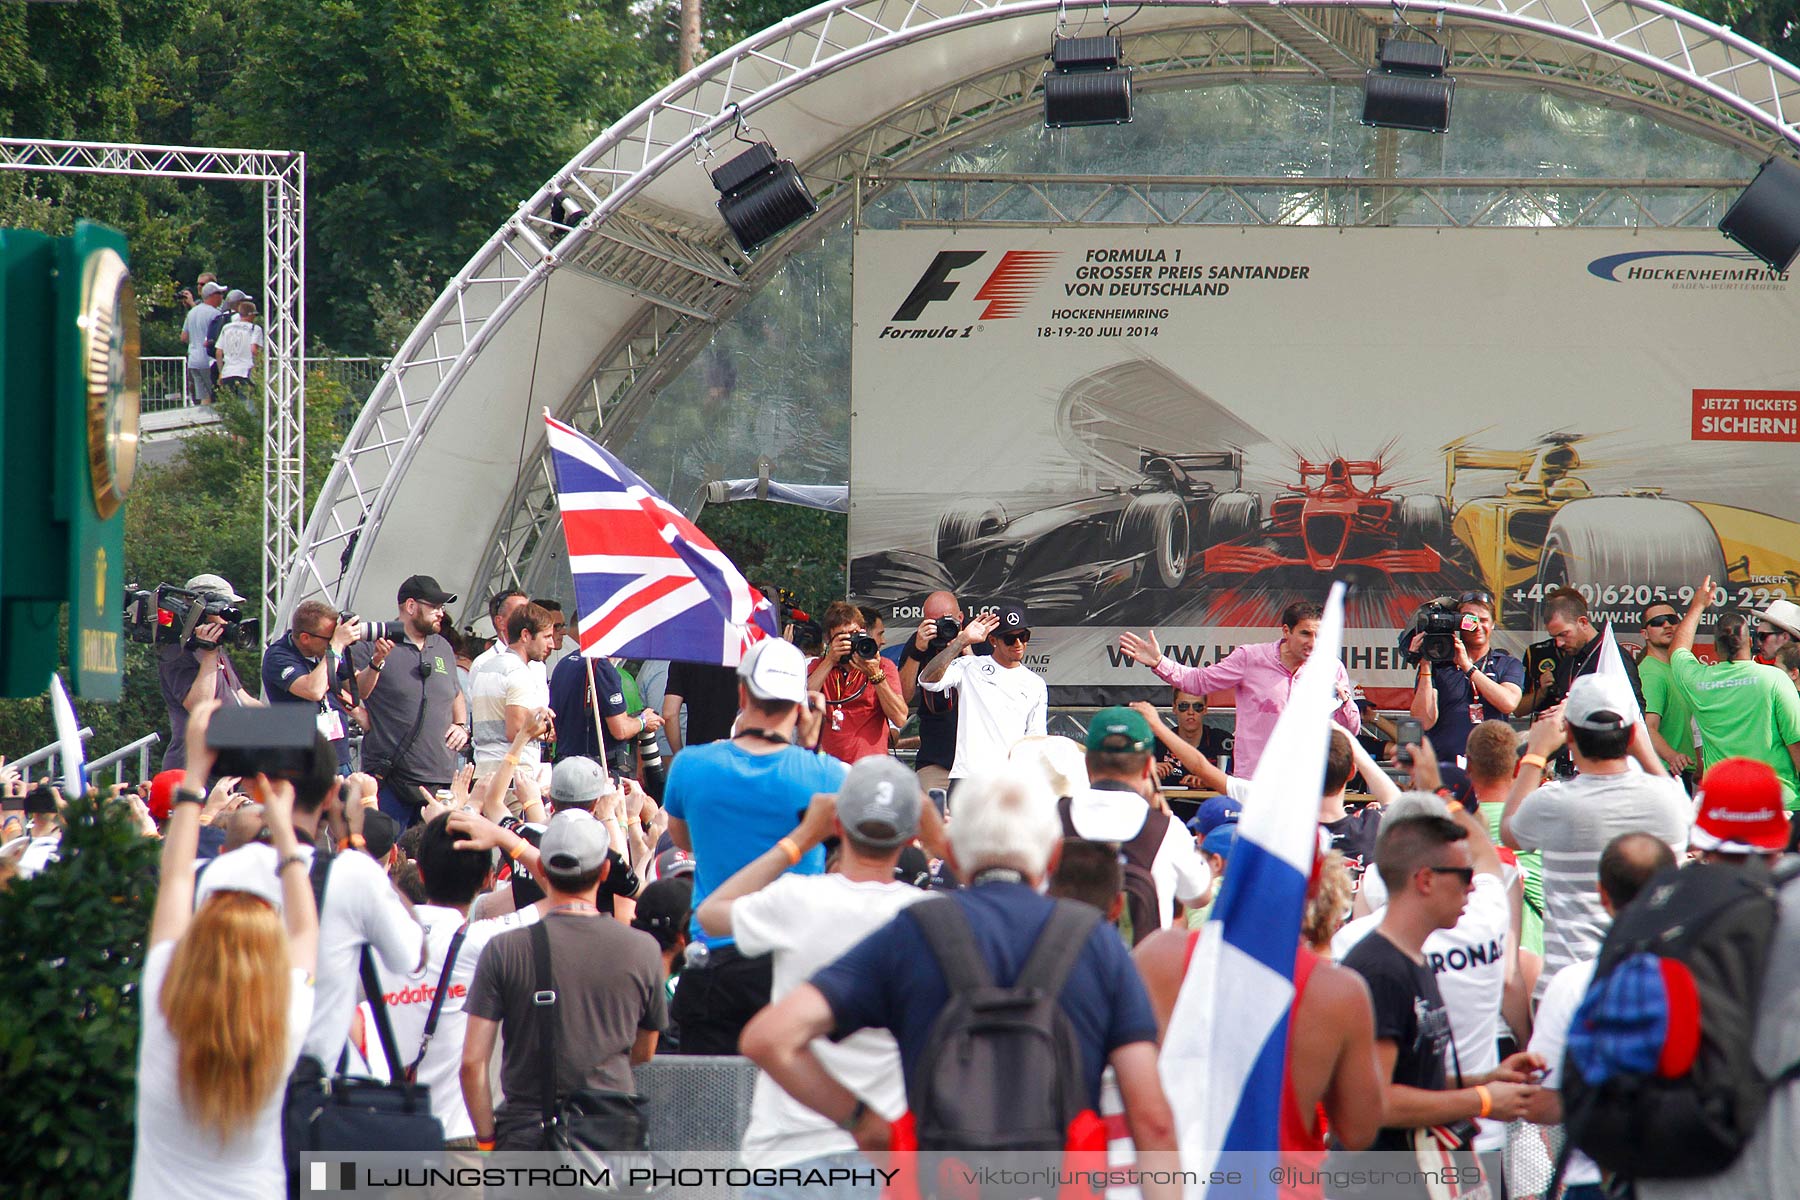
(71, 957)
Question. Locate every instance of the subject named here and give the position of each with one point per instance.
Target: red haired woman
(226, 998)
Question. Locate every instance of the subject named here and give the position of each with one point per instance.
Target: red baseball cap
(162, 794)
(1740, 809)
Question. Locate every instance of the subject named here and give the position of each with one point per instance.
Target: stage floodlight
(1087, 84)
(1408, 89)
(566, 211)
(760, 195)
(1765, 218)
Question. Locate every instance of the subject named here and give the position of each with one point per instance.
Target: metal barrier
(696, 1101)
(116, 760)
(49, 755)
(166, 387)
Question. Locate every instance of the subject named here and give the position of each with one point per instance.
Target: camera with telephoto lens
(864, 646)
(168, 616)
(947, 629)
(1441, 623)
(372, 631)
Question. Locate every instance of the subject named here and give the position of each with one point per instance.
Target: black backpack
(1659, 1080)
(1143, 907)
(1001, 1069)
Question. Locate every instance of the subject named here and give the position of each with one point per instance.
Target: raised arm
(298, 911)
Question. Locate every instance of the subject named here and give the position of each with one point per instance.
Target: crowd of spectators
(475, 828)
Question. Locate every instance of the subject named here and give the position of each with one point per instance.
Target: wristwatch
(188, 795)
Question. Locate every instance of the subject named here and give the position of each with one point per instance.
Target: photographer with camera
(418, 721)
(197, 670)
(861, 688)
(937, 710)
(303, 668)
(1475, 683)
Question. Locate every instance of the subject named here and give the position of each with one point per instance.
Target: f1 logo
(1006, 289)
(935, 284)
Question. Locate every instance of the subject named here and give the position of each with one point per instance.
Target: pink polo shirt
(1262, 686)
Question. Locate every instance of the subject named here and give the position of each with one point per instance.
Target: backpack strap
(1058, 947)
(437, 1000)
(545, 1000)
(1065, 806)
(378, 1005)
(1147, 841)
(952, 943)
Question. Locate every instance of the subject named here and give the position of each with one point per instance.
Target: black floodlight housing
(1407, 89)
(760, 195)
(1765, 218)
(1086, 84)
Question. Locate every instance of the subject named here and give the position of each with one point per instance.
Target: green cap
(1119, 729)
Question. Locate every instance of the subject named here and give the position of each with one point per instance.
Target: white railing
(166, 387)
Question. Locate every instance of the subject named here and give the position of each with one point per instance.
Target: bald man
(937, 711)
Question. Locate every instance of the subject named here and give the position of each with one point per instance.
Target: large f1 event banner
(1183, 429)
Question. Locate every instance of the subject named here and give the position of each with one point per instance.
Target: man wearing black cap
(418, 719)
(1000, 699)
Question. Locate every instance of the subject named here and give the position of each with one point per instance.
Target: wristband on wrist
(355, 839)
(485, 1145)
(187, 795)
(1486, 1098)
(289, 861)
(511, 760)
(856, 1115)
(791, 848)
(1534, 760)
(518, 851)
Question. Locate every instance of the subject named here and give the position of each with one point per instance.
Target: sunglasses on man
(1659, 622)
(1465, 874)
(1190, 706)
(1013, 639)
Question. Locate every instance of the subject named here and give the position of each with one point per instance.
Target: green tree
(801, 549)
(1771, 23)
(69, 1002)
(199, 512)
(424, 122)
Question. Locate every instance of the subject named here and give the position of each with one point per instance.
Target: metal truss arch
(282, 174)
(651, 266)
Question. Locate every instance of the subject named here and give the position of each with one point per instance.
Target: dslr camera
(864, 646)
(393, 631)
(168, 615)
(1442, 624)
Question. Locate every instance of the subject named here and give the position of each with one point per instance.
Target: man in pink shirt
(1261, 676)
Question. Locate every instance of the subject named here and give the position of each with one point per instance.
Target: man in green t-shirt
(1744, 709)
(1666, 709)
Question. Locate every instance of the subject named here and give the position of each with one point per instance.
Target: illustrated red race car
(1335, 523)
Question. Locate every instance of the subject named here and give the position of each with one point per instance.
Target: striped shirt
(1570, 822)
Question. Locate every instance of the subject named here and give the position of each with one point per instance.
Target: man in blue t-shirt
(728, 803)
(1479, 684)
(574, 705)
(303, 667)
(1004, 841)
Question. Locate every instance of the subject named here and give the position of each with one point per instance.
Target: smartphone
(1407, 734)
(940, 799)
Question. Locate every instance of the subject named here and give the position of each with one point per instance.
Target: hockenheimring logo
(1716, 266)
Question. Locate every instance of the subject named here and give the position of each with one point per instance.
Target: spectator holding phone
(227, 995)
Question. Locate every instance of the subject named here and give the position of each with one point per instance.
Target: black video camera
(169, 615)
(795, 623)
(1541, 658)
(1441, 623)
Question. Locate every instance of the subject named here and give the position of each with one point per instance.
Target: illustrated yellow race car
(1548, 529)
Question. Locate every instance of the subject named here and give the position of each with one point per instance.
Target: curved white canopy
(444, 472)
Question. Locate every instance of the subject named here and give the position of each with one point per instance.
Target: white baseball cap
(1599, 702)
(214, 585)
(775, 670)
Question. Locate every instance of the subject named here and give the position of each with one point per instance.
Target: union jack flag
(648, 583)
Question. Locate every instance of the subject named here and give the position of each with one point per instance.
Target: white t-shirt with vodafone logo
(408, 998)
(996, 706)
